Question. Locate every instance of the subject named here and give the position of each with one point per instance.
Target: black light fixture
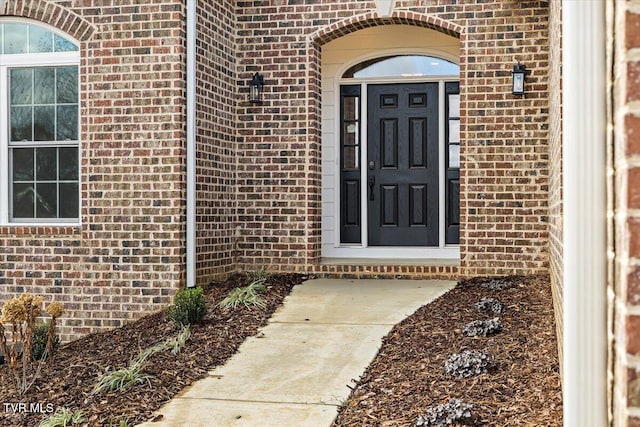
(519, 71)
(255, 88)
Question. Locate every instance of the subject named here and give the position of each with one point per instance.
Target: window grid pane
(26, 38)
(42, 188)
(44, 104)
(350, 133)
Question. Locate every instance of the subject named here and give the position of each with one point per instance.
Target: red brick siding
(259, 177)
(626, 217)
(555, 162)
(127, 256)
(216, 92)
(504, 180)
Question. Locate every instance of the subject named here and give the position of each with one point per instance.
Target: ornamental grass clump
(468, 363)
(19, 315)
(482, 328)
(247, 296)
(64, 417)
(189, 307)
(453, 412)
(489, 306)
(261, 275)
(133, 374)
(124, 378)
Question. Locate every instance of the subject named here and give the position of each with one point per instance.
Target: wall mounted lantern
(519, 71)
(255, 88)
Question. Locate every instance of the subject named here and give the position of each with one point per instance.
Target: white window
(39, 122)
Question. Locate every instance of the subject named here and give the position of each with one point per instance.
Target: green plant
(247, 296)
(133, 374)
(124, 378)
(150, 351)
(64, 417)
(261, 275)
(176, 344)
(39, 341)
(121, 423)
(189, 307)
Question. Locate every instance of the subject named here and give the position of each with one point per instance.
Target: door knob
(372, 165)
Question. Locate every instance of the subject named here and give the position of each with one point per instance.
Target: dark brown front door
(402, 164)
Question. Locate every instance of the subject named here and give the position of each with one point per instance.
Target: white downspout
(191, 143)
(584, 219)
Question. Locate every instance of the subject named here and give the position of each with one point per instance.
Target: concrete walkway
(295, 372)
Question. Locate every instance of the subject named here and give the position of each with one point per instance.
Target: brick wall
(217, 153)
(555, 162)
(504, 179)
(626, 148)
(127, 256)
(259, 175)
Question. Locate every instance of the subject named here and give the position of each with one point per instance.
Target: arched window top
(403, 66)
(19, 37)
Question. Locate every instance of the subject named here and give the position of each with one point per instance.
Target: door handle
(372, 183)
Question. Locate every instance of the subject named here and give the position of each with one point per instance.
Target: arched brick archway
(52, 14)
(315, 42)
(371, 19)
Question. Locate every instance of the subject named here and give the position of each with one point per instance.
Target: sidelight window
(350, 163)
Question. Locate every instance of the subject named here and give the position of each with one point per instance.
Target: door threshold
(439, 262)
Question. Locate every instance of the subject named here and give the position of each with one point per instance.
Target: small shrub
(247, 296)
(124, 378)
(64, 417)
(482, 328)
(468, 363)
(454, 411)
(489, 306)
(498, 284)
(39, 341)
(189, 307)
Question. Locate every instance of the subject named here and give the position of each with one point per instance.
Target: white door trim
(442, 251)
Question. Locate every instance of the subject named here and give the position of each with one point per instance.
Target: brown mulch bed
(408, 375)
(68, 379)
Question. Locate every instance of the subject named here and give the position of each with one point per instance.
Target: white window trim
(362, 250)
(53, 59)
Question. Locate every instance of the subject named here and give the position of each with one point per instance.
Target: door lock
(372, 165)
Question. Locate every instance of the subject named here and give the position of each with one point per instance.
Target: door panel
(389, 140)
(402, 173)
(389, 205)
(418, 142)
(417, 205)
